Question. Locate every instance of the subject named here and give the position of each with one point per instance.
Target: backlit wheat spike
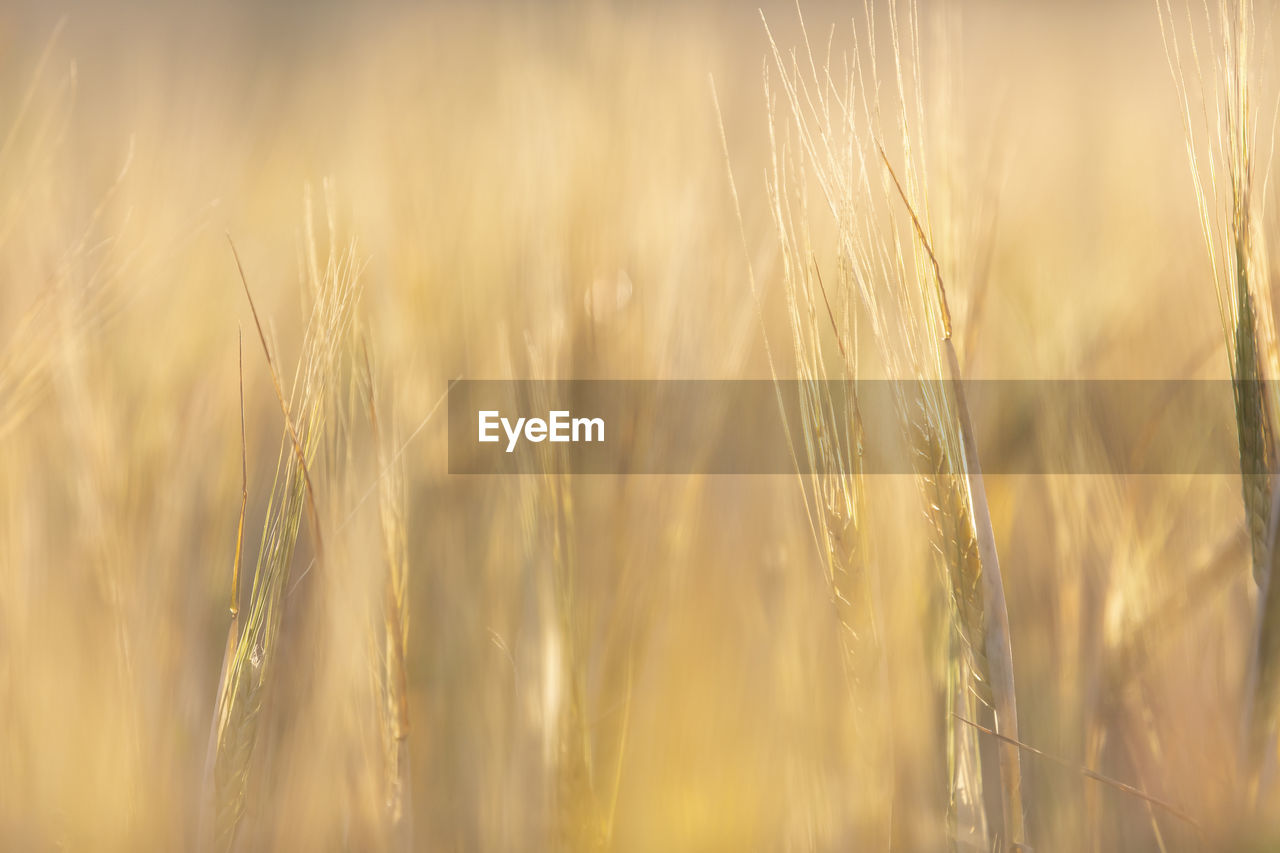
(1220, 129)
(838, 129)
(954, 540)
(831, 439)
(1256, 442)
(968, 685)
(1220, 154)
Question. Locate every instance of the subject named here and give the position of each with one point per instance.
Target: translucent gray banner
(1153, 427)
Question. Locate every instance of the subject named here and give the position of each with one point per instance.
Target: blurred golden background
(541, 190)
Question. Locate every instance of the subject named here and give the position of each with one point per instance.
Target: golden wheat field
(246, 251)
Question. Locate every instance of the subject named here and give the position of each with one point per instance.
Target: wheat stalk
(248, 667)
(834, 488)
(835, 135)
(1220, 151)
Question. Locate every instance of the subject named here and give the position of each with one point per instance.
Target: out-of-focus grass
(541, 191)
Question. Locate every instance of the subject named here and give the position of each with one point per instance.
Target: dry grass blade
(289, 426)
(1125, 787)
(244, 491)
